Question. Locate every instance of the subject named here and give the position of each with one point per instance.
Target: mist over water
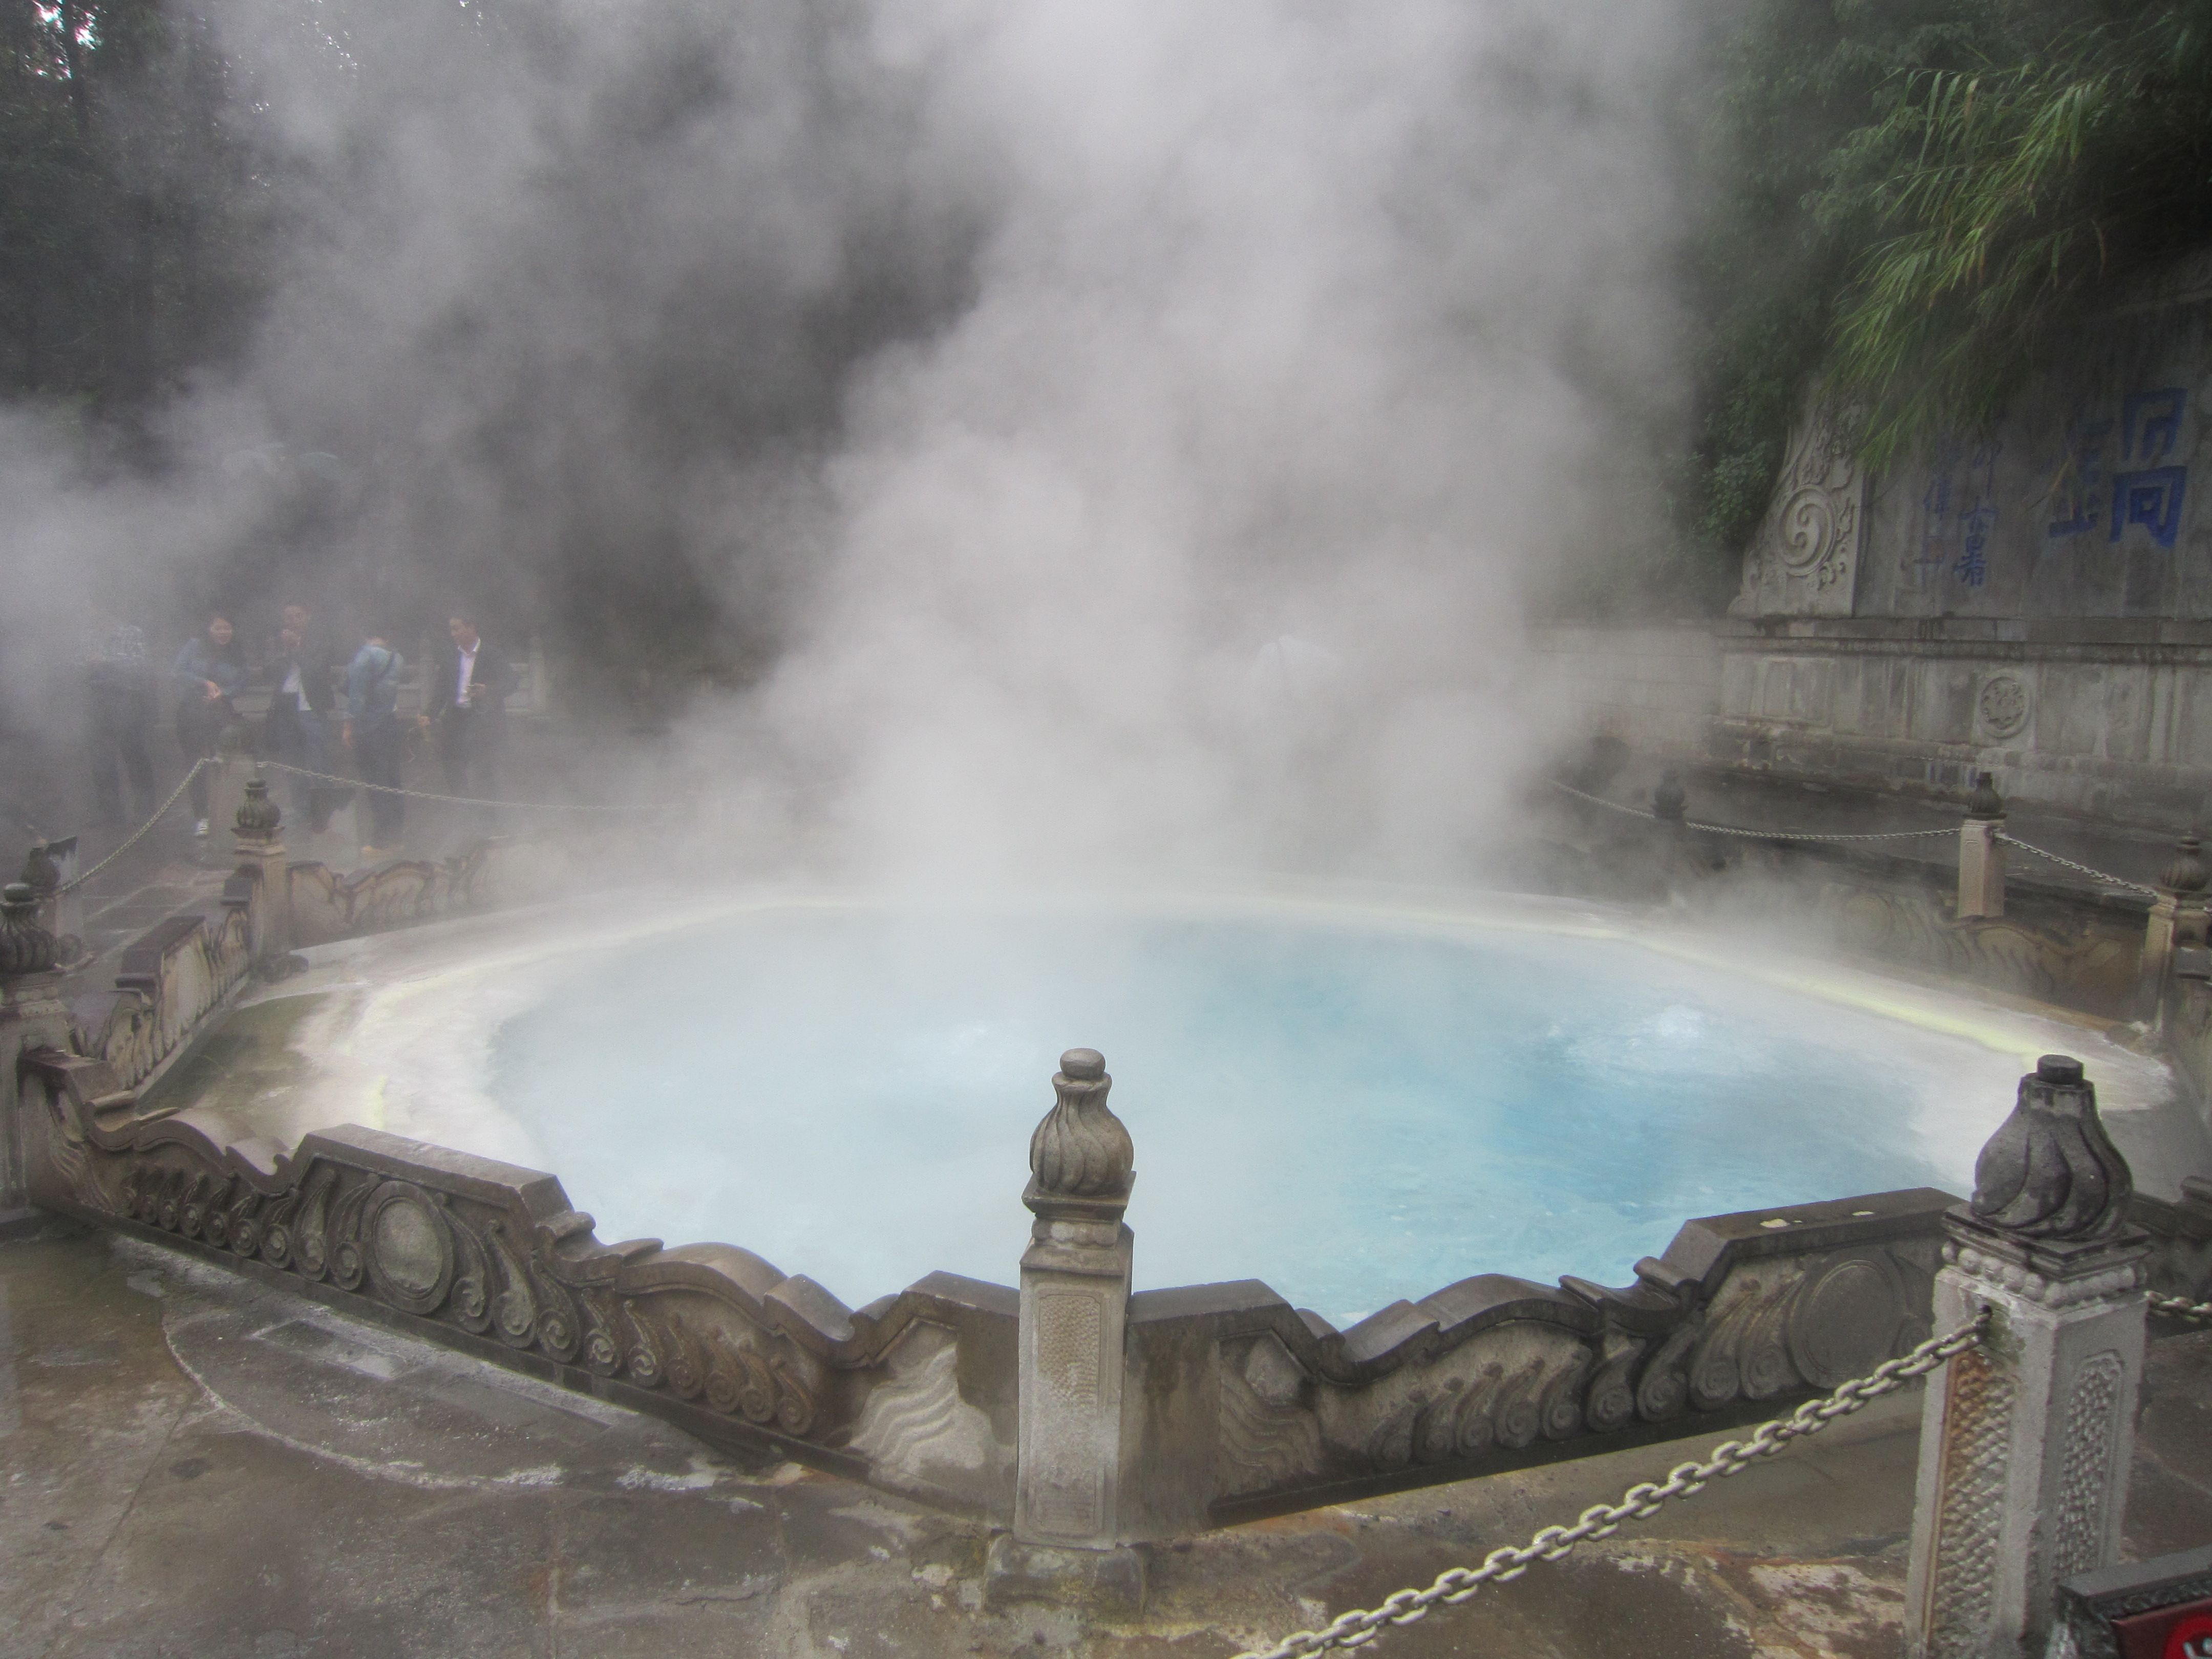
(1273, 337)
(995, 396)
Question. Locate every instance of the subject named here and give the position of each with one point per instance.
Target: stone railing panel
(498, 870)
(167, 981)
(914, 1393)
(1252, 1407)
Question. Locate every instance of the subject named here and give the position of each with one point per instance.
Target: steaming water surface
(1351, 1110)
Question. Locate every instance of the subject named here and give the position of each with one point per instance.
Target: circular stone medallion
(2004, 705)
(1846, 1318)
(409, 1247)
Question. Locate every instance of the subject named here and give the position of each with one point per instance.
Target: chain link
(1798, 834)
(465, 800)
(1752, 835)
(2180, 1307)
(1456, 1584)
(2105, 875)
(137, 835)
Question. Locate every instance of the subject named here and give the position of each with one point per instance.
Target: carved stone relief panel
(2092, 1423)
(1804, 560)
(1978, 1432)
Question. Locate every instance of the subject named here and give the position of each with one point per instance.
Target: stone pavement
(196, 1465)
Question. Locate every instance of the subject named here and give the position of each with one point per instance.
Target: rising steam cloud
(1103, 437)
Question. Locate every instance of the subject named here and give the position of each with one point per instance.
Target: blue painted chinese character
(2150, 423)
(2078, 503)
(2150, 498)
(1974, 526)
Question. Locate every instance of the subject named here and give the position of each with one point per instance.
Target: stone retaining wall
(1654, 686)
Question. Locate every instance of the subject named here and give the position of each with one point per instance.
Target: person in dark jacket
(467, 706)
(120, 702)
(299, 707)
(207, 674)
(371, 734)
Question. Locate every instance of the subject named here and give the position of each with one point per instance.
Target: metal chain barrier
(2105, 875)
(2180, 1307)
(1456, 1584)
(139, 834)
(1752, 835)
(466, 800)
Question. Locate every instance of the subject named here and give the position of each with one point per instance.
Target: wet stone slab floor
(196, 1465)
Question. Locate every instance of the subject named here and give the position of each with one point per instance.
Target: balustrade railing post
(231, 769)
(1065, 1544)
(257, 831)
(31, 1015)
(1981, 853)
(2026, 1438)
(2176, 921)
(48, 868)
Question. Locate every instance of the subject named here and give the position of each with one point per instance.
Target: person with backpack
(371, 735)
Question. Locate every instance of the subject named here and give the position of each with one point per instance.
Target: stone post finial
(1984, 805)
(258, 816)
(2051, 1171)
(25, 947)
(1670, 800)
(1081, 1150)
(2186, 873)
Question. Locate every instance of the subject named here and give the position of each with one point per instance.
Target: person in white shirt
(467, 706)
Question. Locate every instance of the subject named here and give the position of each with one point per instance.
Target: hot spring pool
(1350, 1105)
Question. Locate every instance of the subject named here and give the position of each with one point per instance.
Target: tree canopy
(135, 214)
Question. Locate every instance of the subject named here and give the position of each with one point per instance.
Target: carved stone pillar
(2025, 1439)
(261, 853)
(1074, 1310)
(48, 869)
(2176, 921)
(1981, 854)
(31, 1015)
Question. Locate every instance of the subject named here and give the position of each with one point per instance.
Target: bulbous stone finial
(1082, 1149)
(2050, 1171)
(1984, 803)
(258, 815)
(1669, 799)
(2185, 874)
(25, 947)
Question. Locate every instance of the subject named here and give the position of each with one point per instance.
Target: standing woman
(207, 675)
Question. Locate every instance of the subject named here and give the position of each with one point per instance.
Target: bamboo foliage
(2006, 200)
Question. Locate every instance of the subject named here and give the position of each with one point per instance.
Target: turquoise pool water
(1349, 1108)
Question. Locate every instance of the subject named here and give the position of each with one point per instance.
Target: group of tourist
(314, 686)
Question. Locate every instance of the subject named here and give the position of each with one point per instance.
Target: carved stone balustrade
(1164, 1413)
(914, 1392)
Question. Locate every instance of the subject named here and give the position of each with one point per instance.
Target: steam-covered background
(1006, 437)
